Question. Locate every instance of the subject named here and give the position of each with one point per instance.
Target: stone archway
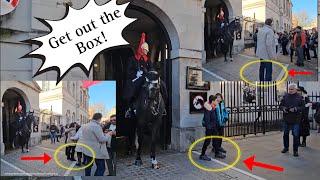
(162, 38)
(10, 100)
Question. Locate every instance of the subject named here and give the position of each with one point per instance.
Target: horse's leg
(225, 56)
(27, 143)
(138, 161)
(231, 46)
(153, 148)
(21, 143)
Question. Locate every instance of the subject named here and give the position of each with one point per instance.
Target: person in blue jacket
(210, 123)
(222, 118)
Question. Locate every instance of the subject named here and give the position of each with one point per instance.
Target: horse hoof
(155, 166)
(138, 162)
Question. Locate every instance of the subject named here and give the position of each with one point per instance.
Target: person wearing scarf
(210, 123)
(222, 118)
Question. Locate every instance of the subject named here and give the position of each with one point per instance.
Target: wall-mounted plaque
(197, 100)
(194, 79)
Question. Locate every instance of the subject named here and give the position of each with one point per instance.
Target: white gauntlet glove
(139, 74)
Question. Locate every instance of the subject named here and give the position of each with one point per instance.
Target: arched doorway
(10, 100)
(210, 23)
(111, 64)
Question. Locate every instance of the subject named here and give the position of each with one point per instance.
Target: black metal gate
(252, 110)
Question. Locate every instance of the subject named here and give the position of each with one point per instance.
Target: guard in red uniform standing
(138, 66)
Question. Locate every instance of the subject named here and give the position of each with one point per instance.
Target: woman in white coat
(93, 136)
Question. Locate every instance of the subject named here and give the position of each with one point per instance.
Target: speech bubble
(79, 36)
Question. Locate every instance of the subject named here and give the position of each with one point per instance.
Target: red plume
(139, 53)
(19, 107)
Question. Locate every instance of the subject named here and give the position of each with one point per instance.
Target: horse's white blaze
(154, 161)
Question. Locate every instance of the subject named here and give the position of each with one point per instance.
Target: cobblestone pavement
(11, 165)
(266, 148)
(175, 165)
(218, 70)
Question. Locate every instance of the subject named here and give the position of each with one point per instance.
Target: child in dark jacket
(210, 123)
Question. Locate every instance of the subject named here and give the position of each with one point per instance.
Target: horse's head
(235, 25)
(30, 119)
(152, 84)
(238, 26)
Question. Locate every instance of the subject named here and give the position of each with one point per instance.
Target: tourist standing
(299, 43)
(111, 147)
(314, 42)
(222, 118)
(210, 123)
(266, 50)
(316, 106)
(292, 105)
(284, 42)
(71, 148)
(306, 48)
(255, 40)
(53, 133)
(93, 136)
(304, 124)
(276, 40)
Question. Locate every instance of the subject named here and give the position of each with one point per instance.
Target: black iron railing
(260, 114)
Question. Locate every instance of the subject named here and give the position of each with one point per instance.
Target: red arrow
(46, 158)
(250, 163)
(293, 72)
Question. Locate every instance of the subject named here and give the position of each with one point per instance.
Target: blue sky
(309, 5)
(104, 92)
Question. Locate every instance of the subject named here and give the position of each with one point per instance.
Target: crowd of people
(295, 106)
(98, 136)
(269, 44)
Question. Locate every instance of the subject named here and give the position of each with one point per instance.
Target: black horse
(150, 108)
(223, 38)
(23, 134)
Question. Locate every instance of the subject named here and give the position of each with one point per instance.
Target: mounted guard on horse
(23, 127)
(146, 95)
(223, 34)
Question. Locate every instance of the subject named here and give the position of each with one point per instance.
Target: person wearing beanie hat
(138, 66)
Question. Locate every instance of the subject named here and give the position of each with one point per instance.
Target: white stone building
(27, 93)
(63, 103)
(176, 33)
(279, 10)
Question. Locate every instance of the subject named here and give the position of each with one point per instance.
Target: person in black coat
(316, 106)
(284, 42)
(292, 105)
(304, 124)
(111, 163)
(210, 123)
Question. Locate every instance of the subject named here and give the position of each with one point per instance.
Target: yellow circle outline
(211, 169)
(264, 85)
(55, 156)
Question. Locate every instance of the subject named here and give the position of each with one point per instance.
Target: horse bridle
(154, 111)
